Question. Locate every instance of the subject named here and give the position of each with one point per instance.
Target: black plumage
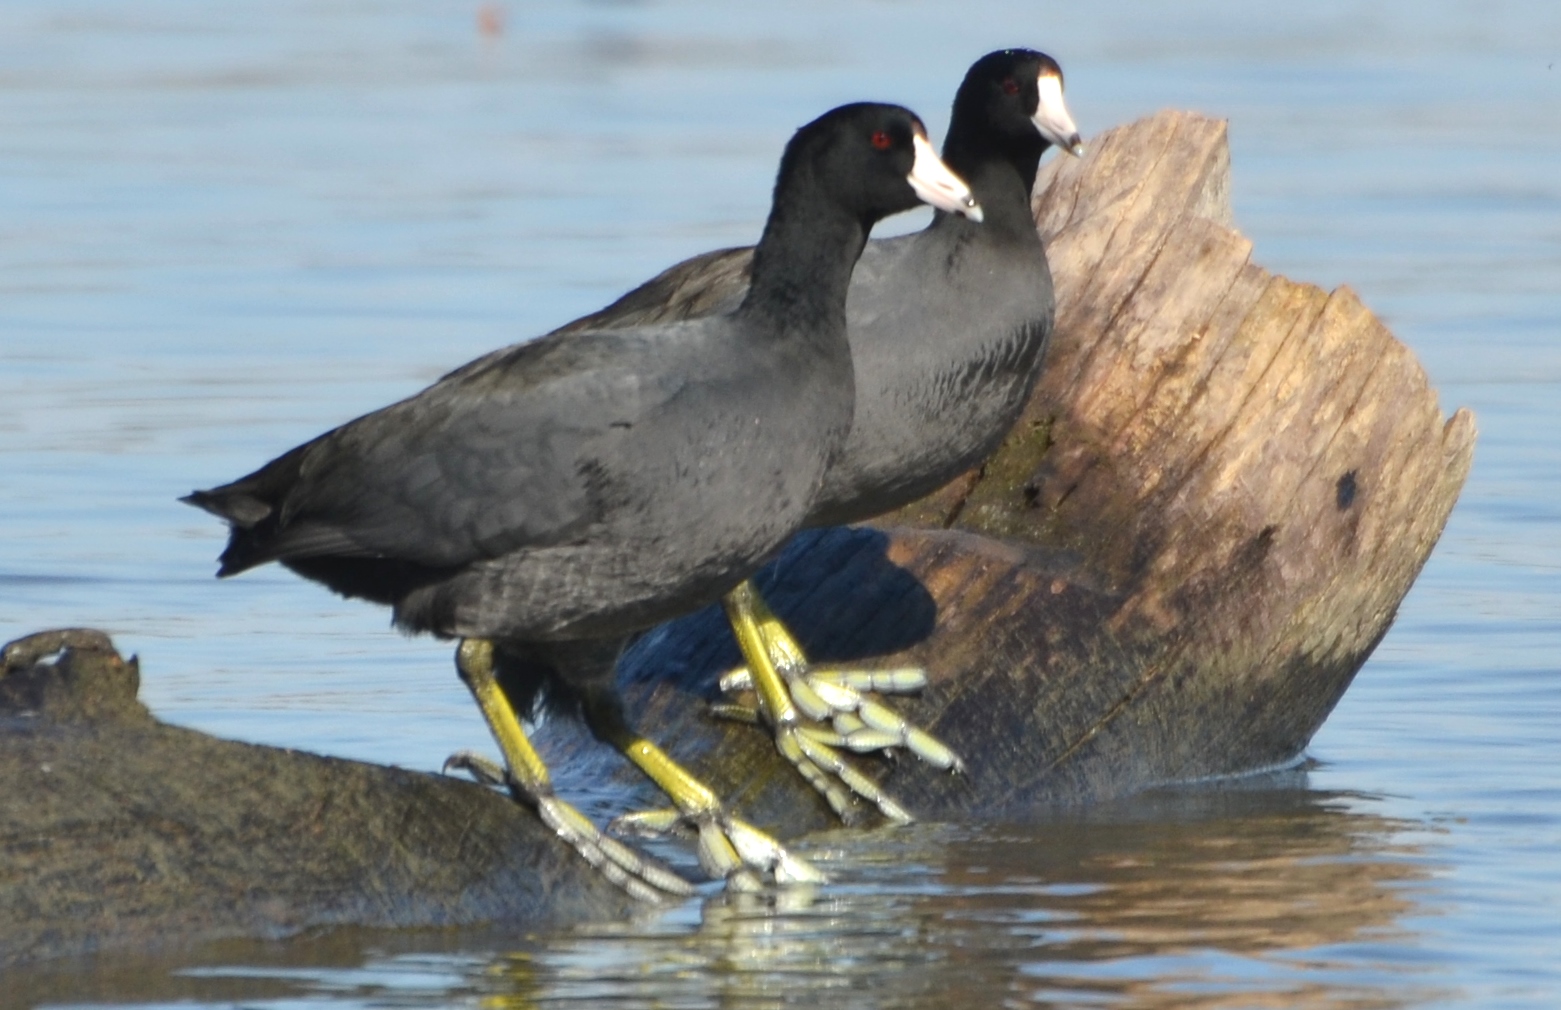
(948, 331)
(556, 496)
(593, 484)
(949, 326)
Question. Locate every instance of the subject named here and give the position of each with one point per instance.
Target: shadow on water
(1252, 894)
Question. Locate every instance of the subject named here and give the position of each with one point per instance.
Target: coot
(546, 501)
(948, 330)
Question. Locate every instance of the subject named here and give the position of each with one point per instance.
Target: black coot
(948, 330)
(547, 500)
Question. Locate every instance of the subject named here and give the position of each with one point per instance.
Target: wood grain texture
(1221, 490)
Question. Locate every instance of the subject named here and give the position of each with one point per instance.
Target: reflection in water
(1267, 895)
(230, 226)
(1227, 899)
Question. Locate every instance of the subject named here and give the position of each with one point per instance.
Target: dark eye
(881, 140)
(1010, 86)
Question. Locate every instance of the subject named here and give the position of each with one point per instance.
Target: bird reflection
(1192, 899)
(1258, 894)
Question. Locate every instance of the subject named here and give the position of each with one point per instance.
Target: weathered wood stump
(1216, 500)
(1221, 490)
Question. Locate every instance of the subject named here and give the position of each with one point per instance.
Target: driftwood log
(118, 830)
(1222, 489)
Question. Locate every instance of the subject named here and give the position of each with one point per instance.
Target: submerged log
(1222, 489)
(117, 830)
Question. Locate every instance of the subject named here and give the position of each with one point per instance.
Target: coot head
(1018, 92)
(875, 160)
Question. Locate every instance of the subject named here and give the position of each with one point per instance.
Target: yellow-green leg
(729, 847)
(528, 779)
(789, 691)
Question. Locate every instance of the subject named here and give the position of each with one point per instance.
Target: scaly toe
(650, 823)
(736, 713)
(897, 680)
(732, 849)
(758, 847)
(642, 876)
(861, 724)
(485, 771)
(883, 728)
(827, 759)
(728, 847)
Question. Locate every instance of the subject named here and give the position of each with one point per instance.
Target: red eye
(1010, 86)
(882, 141)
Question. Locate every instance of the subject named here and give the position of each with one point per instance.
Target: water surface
(224, 228)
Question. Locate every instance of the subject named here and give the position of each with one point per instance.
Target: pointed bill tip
(1053, 119)
(935, 184)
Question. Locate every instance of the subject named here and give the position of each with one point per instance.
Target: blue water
(226, 227)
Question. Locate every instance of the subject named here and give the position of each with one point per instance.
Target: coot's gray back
(948, 327)
(590, 485)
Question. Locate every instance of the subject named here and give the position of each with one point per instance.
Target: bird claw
(485, 771)
(651, 824)
(642, 876)
(729, 848)
(819, 762)
(838, 697)
(895, 680)
(843, 720)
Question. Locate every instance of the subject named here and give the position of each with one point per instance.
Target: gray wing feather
(488, 460)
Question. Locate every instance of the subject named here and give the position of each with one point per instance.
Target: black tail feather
(249, 505)
(237, 507)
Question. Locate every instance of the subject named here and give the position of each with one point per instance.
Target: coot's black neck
(1000, 170)
(802, 264)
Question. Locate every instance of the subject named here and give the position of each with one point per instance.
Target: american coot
(546, 501)
(948, 329)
